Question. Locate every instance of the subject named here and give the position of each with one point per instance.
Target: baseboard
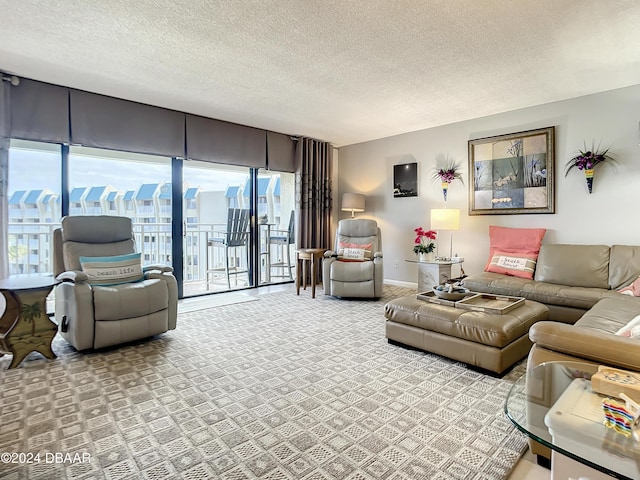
(399, 283)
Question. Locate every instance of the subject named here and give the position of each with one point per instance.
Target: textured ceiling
(345, 71)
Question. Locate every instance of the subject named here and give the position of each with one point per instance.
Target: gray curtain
(4, 177)
(313, 193)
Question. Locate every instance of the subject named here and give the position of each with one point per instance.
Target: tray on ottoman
(432, 298)
(485, 302)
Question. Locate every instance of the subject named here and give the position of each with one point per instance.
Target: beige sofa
(569, 279)
(578, 283)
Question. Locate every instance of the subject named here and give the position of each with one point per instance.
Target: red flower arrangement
(424, 242)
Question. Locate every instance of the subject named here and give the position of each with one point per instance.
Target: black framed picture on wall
(405, 180)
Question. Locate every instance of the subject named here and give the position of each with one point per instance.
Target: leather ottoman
(485, 340)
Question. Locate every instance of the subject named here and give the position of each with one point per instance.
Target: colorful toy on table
(622, 417)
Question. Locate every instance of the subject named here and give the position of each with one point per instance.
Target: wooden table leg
(313, 275)
(304, 273)
(298, 261)
(311, 257)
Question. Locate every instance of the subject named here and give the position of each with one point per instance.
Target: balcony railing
(30, 247)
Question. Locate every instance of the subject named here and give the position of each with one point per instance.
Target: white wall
(609, 215)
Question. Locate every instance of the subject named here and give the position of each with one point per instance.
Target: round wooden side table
(25, 326)
(304, 256)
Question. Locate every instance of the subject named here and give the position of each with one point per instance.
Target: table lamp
(352, 202)
(445, 219)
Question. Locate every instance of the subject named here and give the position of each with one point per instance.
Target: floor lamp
(352, 202)
(445, 219)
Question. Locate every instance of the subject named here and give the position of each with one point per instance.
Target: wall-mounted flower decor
(446, 174)
(587, 160)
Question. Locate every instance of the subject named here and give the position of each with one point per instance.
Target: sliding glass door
(217, 242)
(276, 226)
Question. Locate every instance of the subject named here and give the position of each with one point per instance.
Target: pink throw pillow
(355, 251)
(521, 265)
(514, 240)
(633, 289)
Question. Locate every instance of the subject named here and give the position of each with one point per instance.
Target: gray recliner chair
(348, 272)
(92, 312)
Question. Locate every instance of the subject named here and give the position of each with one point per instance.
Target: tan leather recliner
(91, 316)
(343, 278)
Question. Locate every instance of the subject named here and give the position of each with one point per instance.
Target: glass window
(34, 190)
(106, 182)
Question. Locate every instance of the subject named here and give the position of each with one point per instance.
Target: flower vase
(425, 257)
(445, 187)
(588, 174)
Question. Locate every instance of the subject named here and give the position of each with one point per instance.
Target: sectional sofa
(579, 285)
(587, 315)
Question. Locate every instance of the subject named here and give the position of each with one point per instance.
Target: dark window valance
(106, 122)
(216, 141)
(281, 150)
(44, 112)
(39, 111)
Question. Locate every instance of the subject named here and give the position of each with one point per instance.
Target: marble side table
(433, 272)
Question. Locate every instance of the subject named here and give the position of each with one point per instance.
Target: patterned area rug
(284, 387)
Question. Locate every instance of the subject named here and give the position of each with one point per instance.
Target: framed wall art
(405, 180)
(512, 174)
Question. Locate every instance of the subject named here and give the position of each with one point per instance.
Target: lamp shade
(352, 202)
(445, 219)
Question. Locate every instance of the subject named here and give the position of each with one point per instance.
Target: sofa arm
(172, 290)
(378, 275)
(157, 268)
(326, 270)
(74, 313)
(74, 276)
(587, 343)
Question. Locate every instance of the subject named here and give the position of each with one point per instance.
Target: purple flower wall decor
(587, 160)
(446, 174)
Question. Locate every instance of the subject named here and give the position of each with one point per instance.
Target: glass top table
(553, 404)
